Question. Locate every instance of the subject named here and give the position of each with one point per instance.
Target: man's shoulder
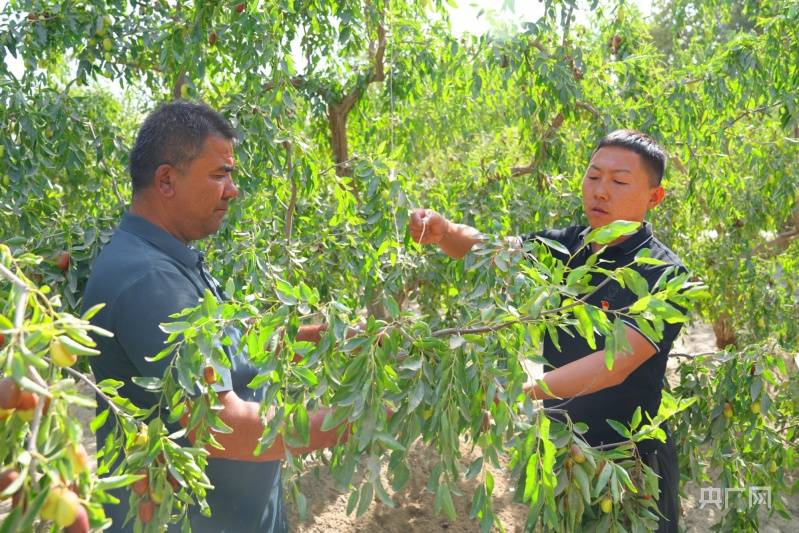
(660, 251)
(126, 263)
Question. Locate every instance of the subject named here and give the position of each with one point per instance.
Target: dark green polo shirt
(143, 275)
(643, 386)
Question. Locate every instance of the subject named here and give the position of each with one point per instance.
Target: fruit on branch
(772, 467)
(81, 523)
(7, 477)
(60, 355)
(755, 408)
(61, 506)
(78, 457)
(108, 44)
(140, 486)
(240, 7)
(142, 437)
(2, 337)
(146, 511)
(577, 454)
(606, 504)
(27, 400)
(9, 393)
(212, 38)
(727, 411)
(62, 262)
(209, 375)
(615, 43)
(184, 91)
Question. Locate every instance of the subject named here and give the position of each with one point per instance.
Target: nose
(231, 191)
(601, 189)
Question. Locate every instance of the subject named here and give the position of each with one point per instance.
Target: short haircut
(174, 133)
(652, 154)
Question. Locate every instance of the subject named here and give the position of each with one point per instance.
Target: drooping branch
(542, 152)
(293, 200)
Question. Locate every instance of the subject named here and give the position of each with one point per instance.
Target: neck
(155, 214)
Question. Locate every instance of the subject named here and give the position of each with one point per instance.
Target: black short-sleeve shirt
(644, 385)
(143, 275)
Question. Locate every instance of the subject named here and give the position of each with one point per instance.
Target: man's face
(202, 190)
(616, 187)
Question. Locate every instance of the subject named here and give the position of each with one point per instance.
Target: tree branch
(542, 153)
(293, 200)
(522, 320)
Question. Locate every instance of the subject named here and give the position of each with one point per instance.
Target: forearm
(244, 418)
(578, 378)
(458, 240)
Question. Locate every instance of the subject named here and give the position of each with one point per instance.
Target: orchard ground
(327, 507)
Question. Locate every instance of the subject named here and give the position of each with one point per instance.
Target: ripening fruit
(62, 262)
(146, 511)
(142, 437)
(9, 393)
(7, 477)
(577, 454)
(107, 44)
(81, 523)
(772, 467)
(240, 7)
(755, 408)
(27, 400)
(78, 457)
(60, 355)
(212, 38)
(209, 375)
(606, 505)
(184, 91)
(140, 486)
(727, 411)
(61, 506)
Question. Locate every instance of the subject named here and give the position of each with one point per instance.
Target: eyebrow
(614, 171)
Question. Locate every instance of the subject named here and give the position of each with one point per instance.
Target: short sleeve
(670, 331)
(141, 308)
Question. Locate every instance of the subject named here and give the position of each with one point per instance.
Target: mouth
(599, 211)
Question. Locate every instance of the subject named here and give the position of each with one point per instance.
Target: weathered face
(616, 187)
(202, 190)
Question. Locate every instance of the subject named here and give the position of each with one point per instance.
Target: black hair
(652, 154)
(173, 133)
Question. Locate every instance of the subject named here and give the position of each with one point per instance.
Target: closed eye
(620, 182)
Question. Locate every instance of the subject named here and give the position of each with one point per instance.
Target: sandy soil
(413, 511)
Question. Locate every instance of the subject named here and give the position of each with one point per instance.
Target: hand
(427, 226)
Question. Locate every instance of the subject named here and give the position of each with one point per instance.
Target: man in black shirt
(622, 182)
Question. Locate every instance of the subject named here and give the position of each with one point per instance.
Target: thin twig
(80, 375)
(523, 320)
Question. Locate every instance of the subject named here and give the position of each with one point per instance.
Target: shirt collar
(160, 238)
(633, 243)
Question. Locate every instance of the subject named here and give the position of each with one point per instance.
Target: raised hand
(427, 226)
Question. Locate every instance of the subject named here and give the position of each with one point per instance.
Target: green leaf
(175, 327)
(114, 482)
(98, 421)
(554, 245)
(619, 427)
(611, 232)
(148, 382)
(475, 468)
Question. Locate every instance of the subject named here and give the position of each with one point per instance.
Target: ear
(164, 180)
(656, 195)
